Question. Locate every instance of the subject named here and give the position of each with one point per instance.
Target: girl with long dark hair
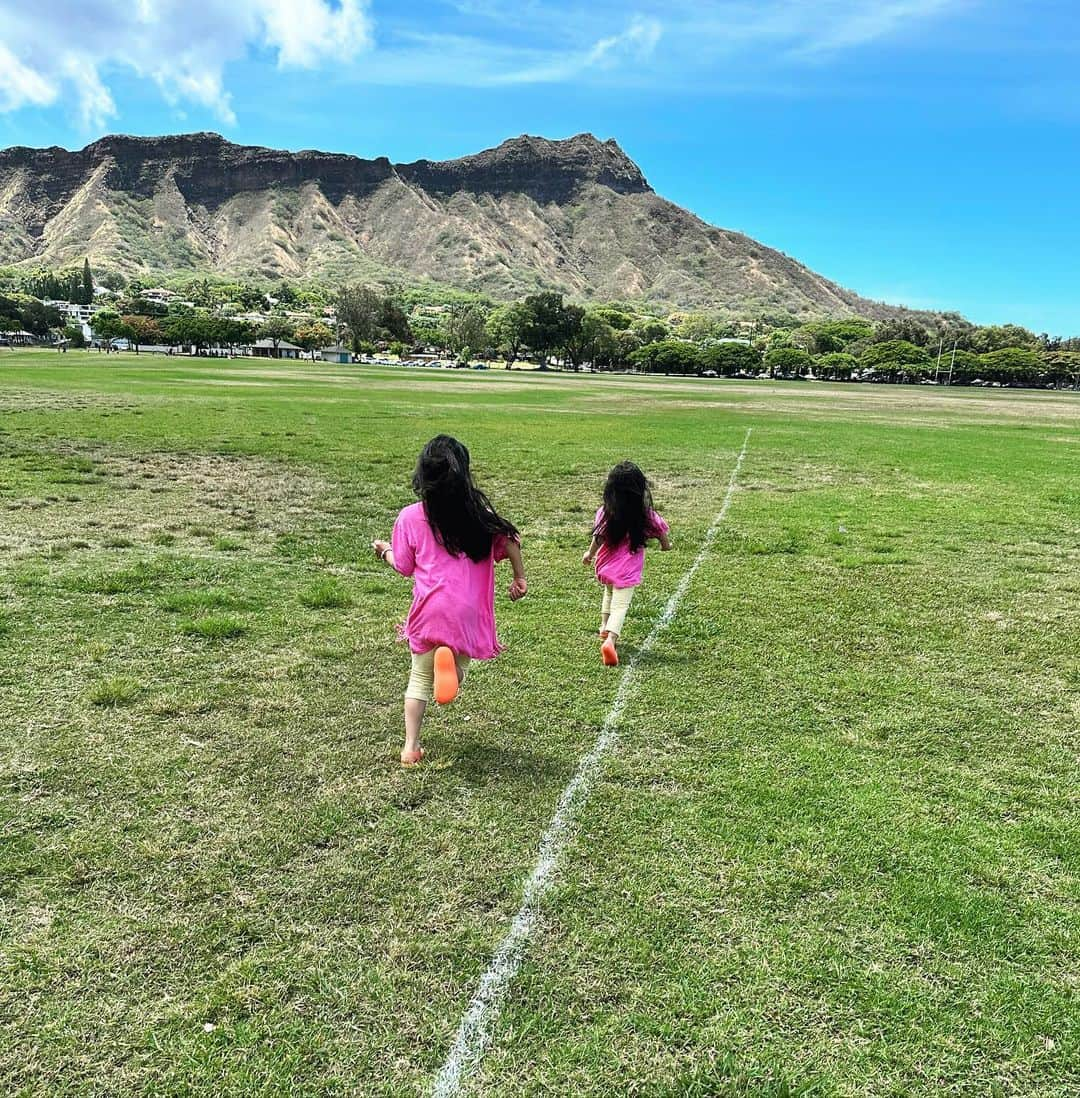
(449, 542)
(624, 523)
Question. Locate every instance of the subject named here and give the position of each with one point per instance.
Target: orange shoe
(446, 679)
(608, 653)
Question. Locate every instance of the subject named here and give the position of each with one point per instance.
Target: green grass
(214, 627)
(326, 595)
(113, 692)
(835, 853)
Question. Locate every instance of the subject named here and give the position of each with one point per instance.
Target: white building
(73, 313)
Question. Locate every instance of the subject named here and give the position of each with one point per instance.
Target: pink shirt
(616, 564)
(453, 597)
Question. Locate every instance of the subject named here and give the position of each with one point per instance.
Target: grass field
(835, 853)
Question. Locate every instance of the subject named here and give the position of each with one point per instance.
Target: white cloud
(710, 43)
(65, 49)
(21, 86)
(639, 40)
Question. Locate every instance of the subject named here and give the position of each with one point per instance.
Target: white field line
(475, 1028)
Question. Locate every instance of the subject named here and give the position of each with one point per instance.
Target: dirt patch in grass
(58, 400)
(99, 498)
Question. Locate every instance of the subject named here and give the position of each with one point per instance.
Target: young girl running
(449, 543)
(623, 525)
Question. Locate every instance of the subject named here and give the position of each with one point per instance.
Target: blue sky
(918, 151)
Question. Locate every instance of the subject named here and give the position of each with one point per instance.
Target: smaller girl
(449, 542)
(623, 525)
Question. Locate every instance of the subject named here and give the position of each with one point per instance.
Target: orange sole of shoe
(412, 758)
(608, 654)
(446, 680)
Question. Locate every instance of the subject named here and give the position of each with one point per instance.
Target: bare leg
(414, 718)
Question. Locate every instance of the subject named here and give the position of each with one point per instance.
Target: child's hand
(380, 548)
(518, 589)
(587, 559)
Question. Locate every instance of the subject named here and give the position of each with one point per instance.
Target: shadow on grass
(483, 764)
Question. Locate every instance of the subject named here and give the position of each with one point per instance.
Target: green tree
(73, 333)
(788, 362)
(393, 321)
(619, 319)
(359, 309)
(996, 337)
(506, 330)
(836, 365)
(904, 329)
(894, 352)
(142, 329)
(593, 342)
(551, 323)
(828, 336)
(312, 335)
(729, 359)
(650, 330)
(700, 327)
(1013, 366)
(277, 329)
(465, 325)
(86, 296)
(669, 356)
(108, 326)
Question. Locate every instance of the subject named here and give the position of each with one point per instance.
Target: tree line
(548, 330)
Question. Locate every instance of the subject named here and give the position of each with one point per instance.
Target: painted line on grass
(475, 1028)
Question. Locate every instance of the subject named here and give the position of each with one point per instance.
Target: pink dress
(453, 599)
(615, 564)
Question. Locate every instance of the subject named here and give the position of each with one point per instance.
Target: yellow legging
(422, 674)
(615, 603)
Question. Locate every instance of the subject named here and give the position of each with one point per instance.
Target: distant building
(81, 316)
(159, 294)
(264, 348)
(341, 355)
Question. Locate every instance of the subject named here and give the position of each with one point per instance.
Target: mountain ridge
(574, 214)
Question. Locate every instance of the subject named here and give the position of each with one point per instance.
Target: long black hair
(460, 515)
(627, 503)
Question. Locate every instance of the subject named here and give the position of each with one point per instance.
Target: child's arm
(383, 551)
(590, 553)
(660, 530)
(518, 585)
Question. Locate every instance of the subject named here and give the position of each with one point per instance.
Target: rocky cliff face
(546, 171)
(576, 215)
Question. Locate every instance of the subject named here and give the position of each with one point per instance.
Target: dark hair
(460, 515)
(627, 503)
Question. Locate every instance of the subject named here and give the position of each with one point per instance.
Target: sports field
(832, 851)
